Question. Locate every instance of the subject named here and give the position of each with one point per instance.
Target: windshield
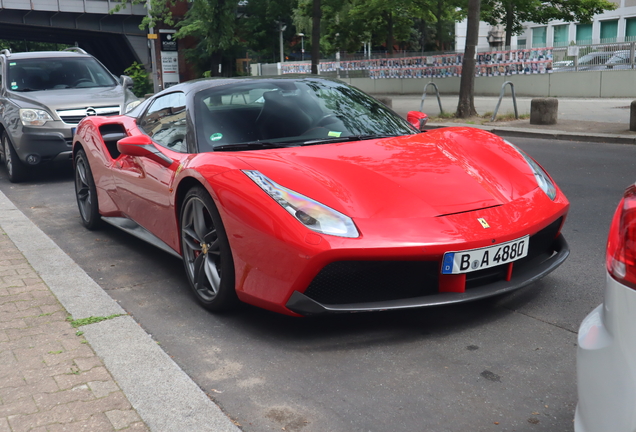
(57, 73)
(290, 112)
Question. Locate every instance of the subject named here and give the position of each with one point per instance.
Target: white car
(606, 356)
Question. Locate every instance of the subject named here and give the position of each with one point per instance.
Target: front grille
(72, 119)
(347, 282)
(74, 116)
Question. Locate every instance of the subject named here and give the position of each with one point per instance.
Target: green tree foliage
(141, 84)
(408, 24)
(224, 30)
(512, 13)
(259, 31)
(213, 24)
(29, 46)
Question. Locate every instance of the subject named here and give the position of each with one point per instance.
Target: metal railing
(439, 101)
(501, 95)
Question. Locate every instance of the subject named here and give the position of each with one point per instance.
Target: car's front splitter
(303, 305)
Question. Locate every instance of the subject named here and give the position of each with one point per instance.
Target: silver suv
(44, 95)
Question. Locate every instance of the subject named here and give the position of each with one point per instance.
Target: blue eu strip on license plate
(483, 258)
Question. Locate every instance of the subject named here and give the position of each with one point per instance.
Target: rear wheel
(86, 192)
(206, 252)
(16, 169)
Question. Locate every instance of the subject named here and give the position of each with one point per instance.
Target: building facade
(618, 25)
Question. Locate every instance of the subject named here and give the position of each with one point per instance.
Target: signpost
(169, 58)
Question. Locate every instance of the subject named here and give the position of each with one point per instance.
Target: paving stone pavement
(51, 380)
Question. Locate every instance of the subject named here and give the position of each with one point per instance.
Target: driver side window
(165, 121)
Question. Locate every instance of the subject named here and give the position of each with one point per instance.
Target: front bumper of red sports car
(390, 285)
(395, 263)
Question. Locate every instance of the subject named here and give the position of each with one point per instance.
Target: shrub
(141, 84)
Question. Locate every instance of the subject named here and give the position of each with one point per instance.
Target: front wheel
(16, 170)
(207, 256)
(86, 192)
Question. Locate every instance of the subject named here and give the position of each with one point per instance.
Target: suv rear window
(57, 73)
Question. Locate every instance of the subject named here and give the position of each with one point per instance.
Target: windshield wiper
(347, 138)
(252, 145)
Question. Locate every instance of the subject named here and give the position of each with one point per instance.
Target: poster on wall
(487, 64)
(169, 58)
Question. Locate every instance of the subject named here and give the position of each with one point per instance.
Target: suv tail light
(621, 242)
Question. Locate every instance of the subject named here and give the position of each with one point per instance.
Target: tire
(16, 170)
(206, 252)
(86, 192)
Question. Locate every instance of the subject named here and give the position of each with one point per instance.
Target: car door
(144, 185)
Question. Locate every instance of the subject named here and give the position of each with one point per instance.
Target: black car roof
(205, 83)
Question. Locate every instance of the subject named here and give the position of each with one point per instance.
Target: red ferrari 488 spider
(306, 196)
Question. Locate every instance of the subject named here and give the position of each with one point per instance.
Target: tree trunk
(510, 20)
(315, 37)
(438, 25)
(466, 105)
(389, 37)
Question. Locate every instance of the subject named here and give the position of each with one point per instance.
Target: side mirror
(142, 146)
(417, 119)
(126, 81)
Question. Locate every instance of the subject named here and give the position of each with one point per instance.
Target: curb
(163, 395)
(543, 134)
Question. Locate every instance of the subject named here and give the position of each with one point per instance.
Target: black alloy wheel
(206, 252)
(86, 192)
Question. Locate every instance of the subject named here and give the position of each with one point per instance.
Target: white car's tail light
(621, 242)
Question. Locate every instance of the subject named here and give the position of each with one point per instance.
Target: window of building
(630, 29)
(538, 37)
(609, 31)
(561, 35)
(583, 34)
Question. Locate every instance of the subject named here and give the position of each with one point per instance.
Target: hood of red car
(451, 170)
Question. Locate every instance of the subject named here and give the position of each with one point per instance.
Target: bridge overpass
(115, 39)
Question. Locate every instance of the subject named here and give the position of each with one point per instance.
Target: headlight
(315, 216)
(131, 105)
(543, 180)
(34, 117)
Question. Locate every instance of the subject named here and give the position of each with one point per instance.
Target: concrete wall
(617, 83)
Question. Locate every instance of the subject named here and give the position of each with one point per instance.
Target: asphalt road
(496, 365)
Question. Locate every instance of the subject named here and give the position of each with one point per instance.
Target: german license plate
(483, 258)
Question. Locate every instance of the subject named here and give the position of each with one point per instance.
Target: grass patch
(56, 352)
(507, 116)
(90, 320)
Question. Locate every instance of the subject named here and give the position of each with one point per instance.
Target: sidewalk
(50, 378)
(110, 375)
(102, 376)
(593, 120)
